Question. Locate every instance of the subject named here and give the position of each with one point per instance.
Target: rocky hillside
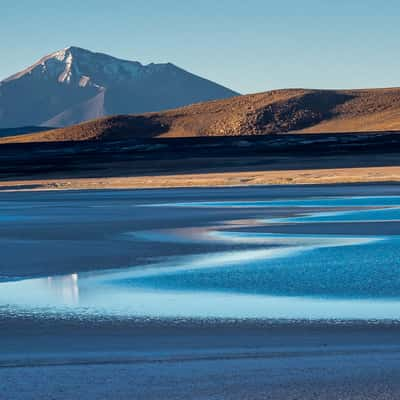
(295, 110)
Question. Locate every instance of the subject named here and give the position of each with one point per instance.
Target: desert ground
(228, 179)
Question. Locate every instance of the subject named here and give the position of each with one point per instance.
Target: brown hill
(293, 110)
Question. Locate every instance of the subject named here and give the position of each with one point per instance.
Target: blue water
(361, 271)
(370, 201)
(385, 214)
(10, 218)
(278, 276)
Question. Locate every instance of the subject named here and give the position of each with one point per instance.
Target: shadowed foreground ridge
(292, 110)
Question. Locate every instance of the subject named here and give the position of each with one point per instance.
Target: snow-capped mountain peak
(73, 84)
(80, 66)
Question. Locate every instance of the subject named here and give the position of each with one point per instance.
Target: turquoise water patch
(359, 282)
(370, 271)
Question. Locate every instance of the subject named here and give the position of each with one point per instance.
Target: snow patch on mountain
(67, 73)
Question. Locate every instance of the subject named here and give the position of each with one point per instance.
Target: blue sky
(249, 46)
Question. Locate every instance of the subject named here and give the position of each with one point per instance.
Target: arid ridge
(274, 112)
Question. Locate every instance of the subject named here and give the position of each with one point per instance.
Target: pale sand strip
(246, 178)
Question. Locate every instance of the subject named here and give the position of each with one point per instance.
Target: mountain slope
(294, 110)
(73, 85)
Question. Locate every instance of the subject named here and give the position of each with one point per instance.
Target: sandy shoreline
(217, 179)
(170, 171)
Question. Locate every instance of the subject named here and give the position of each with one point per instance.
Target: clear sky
(249, 46)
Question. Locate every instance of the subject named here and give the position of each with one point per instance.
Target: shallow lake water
(238, 268)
